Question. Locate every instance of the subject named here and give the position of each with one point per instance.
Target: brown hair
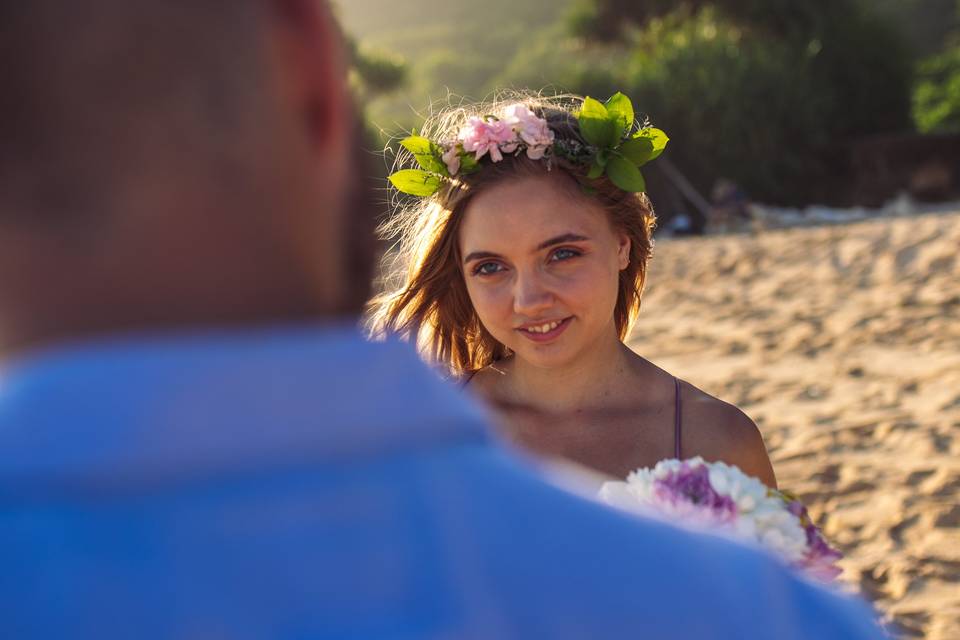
(424, 294)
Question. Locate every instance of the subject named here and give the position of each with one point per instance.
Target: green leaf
(596, 170)
(657, 137)
(620, 107)
(598, 127)
(639, 151)
(417, 144)
(416, 182)
(426, 153)
(625, 175)
(468, 163)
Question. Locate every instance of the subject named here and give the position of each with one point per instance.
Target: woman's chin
(546, 356)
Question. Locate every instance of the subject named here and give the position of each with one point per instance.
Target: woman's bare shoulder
(720, 431)
(483, 382)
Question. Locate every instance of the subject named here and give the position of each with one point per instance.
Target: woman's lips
(549, 335)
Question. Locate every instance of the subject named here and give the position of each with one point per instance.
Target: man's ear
(623, 250)
(310, 53)
(307, 60)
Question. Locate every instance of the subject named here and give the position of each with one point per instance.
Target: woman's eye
(486, 269)
(564, 254)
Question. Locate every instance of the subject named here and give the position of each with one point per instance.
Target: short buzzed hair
(91, 88)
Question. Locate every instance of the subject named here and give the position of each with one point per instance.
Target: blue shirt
(308, 484)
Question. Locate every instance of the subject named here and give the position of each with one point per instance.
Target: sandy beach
(843, 343)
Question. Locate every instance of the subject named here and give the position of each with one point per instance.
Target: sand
(843, 344)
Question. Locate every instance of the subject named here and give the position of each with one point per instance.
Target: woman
(520, 270)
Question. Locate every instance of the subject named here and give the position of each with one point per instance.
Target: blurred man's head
(164, 164)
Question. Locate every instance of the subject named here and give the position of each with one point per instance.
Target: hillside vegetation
(767, 93)
(455, 47)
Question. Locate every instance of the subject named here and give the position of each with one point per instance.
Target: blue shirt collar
(175, 405)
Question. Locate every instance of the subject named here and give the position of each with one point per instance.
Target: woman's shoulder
(483, 381)
(719, 431)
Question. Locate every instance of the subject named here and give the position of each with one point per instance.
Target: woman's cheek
(491, 305)
(583, 286)
(592, 295)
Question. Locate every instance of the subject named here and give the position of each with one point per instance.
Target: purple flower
(689, 490)
(820, 558)
(796, 508)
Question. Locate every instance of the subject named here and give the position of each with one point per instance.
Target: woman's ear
(623, 250)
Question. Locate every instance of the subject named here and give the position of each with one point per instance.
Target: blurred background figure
(196, 441)
(730, 207)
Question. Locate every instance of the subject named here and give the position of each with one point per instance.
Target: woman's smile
(543, 332)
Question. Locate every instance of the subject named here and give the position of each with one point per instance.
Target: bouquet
(722, 499)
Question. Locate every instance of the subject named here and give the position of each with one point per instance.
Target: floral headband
(612, 146)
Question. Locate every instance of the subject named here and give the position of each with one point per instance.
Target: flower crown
(613, 148)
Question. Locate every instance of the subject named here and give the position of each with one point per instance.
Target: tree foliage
(767, 92)
(936, 96)
(374, 72)
(764, 92)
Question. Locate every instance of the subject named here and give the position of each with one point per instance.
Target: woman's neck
(588, 382)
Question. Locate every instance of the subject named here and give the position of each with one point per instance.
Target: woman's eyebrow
(480, 255)
(567, 237)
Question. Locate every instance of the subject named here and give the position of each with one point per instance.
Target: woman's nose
(531, 296)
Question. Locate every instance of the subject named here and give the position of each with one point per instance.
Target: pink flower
(504, 139)
(532, 129)
(478, 137)
(475, 136)
(481, 136)
(451, 158)
(505, 136)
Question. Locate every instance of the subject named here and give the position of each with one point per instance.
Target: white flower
(782, 532)
(623, 496)
(747, 492)
(719, 498)
(759, 515)
(666, 467)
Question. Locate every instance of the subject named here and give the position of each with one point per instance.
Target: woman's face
(541, 264)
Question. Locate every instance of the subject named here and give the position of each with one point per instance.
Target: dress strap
(466, 380)
(677, 450)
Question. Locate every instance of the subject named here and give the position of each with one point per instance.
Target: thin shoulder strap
(678, 452)
(466, 381)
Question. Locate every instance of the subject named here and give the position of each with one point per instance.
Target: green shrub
(735, 106)
(769, 106)
(936, 96)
